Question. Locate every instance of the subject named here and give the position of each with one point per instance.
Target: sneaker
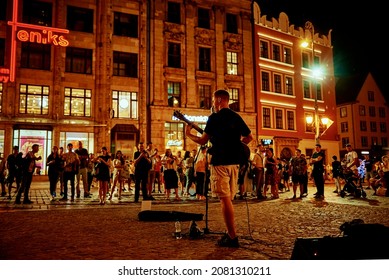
(226, 241)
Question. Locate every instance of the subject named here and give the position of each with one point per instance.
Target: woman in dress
(170, 173)
(271, 173)
(103, 175)
(118, 165)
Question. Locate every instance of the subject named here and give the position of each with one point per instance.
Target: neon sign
(29, 33)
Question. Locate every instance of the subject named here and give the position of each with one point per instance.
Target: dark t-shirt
(143, 166)
(83, 156)
(225, 129)
(318, 165)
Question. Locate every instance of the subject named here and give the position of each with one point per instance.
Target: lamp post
(309, 26)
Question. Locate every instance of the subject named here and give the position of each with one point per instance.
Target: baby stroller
(351, 185)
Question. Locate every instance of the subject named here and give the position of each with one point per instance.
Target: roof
(347, 88)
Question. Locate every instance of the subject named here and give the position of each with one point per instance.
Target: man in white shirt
(352, 160)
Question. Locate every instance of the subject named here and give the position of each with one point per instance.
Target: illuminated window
(173, 12)
(231, 23)
(343, 112)
(174, 55)
(205, 96)
(234, 99)
(37, 13)
(125, 104)
(203, 18)
(78, 60)
(288, 55)
(125, 25)
(205, 59)
(174, 136)
(77, 102)
(344, 127)
(125, 64)
(35, 56)
(174, 94)
(33, 99)
(80, 19)
(232, 63)
(289, 85)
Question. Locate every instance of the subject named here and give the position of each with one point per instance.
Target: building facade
(287, 90)
(112, 73)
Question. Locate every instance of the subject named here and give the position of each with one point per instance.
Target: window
(373, 126)
(35, 56)
(174, 135)
(205, 59)
(383, 127)
(279, 119)
(264, 49)
(125, 25)
(288, 55)
(232, 23)
(174, 55)
(125, 104)
(1, 97)
(232, 63)
(305, 61)
(289, 85)
(77, 102)
(381, 112)
(173, 12)
(344, 126)
(174, 94)
(370, 95)
(265, 81)
(2, 51)
(384, 141)
(362, 110)
(345, 141)
(125, 64)
(276, 52)
(318, 91)
(277, 83)
(364, 141)
(307, 93)
(234, 99)
(205, 96)
(266, 117)
(3, 13)
(310, 127)
(80, 19)
(374, 141)
(78, 60)
(34, 99)
(363, 126)
(203, 18)
(37, 13)
(371, 111)
(343, 112)
(290, 120)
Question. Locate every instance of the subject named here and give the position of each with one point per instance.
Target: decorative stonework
(205, 37)
(233, 42)
(173, 31)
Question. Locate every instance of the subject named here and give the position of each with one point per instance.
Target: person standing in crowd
(118, 165)
(258, 170)
(189, 171)
(71, 162)
(29, 164)
(54, 163)
(305, 185)
(317, 160)
(157, 170)
(298, 169)
(201, 166)
(369, 170)
(83, 156)
(385, 169)
(169, 162)
(225, 129)
(14, 166)
(2, 175)
(103, 176)
(142, 164)
(336, 173)
(151, 177)
(61, 170)
(271, 174)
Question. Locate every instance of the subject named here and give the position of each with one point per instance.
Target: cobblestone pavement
(84, 229)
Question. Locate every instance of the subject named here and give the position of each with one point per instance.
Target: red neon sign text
(43, 37)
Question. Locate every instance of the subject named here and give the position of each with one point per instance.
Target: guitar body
(246, 149)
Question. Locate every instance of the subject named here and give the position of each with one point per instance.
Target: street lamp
(324, 121)
(309, 26)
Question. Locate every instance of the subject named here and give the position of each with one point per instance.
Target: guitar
(181, 117)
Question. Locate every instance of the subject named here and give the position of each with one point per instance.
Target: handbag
(96, 169)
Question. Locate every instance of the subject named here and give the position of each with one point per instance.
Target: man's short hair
(15, 148)
(222, 93)
(298, 150)
(70, 144)
(318, 145)
(348, 145)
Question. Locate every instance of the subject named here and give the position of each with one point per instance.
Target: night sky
(359, 32)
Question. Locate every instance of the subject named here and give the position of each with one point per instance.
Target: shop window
(125, 64)
(37, 13)
(232, 63)
(87, 139)
(125, 104)
(174, 136)
(80, 19)
(174, 94)
(35, 56)
(33, 99)
(203, 16)
(77, 102)
(125, 25)
(78, 60)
